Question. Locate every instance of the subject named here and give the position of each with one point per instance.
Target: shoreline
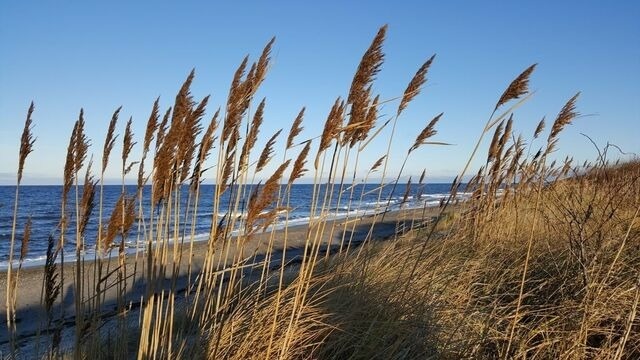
(130, 247)
(29, 312)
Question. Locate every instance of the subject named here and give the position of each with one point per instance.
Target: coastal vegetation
(541, 259)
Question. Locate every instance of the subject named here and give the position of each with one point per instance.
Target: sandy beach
(30, 314)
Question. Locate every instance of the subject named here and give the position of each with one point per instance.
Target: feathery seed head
(296, 128)
(152, 126)
(162, 128)
(267, 151)
(369, 66)
(493, 148)
(518, 87)
(127, 145)
(81, 144)
(266, 196)
(415, 85)
(377, 164)
(26, 141)
(298, 166)
(110, 139)
(539, 129)
(426, 133)
(252, 136)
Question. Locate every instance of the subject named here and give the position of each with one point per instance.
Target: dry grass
(541, 262)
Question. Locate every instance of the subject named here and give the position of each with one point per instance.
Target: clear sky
(65, 55)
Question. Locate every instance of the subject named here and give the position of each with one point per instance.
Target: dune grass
(540, 262)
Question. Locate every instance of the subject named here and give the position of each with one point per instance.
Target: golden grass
(541, 262)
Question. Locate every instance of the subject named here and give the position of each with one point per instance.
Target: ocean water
(43, 205)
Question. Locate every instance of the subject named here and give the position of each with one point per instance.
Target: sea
(43, 205)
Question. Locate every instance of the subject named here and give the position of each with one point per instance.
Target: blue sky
(65, 55)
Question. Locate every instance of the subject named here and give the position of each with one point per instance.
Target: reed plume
(206, 144)
(361, 88)
(179, 138)
(331, 127)
(361, 130)
(368, 68)
(87, 202)
(421, 185)
(127, 146)
(493, 147)
(296, 129)
(81, 144)
(165, 158)
(267, 152)
(120, 222)
(265, 197)
(426, 133)
(539, 129)
(26, 142)
(110, 139)
(377, 164)
(51, 279)
(407, 191)
(184, 101)
(415, 85)
(163, 127)
(68, 176)
(564, 118)
(234, 102)
(499, 155)
(252, 136)
(518, 87)
(227, 169)
(191, 128)
(26, 147)
(152, 126)
(262, 66)
(298, 166)
(515, 160)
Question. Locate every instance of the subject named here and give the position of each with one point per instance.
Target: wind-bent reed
(26, 147)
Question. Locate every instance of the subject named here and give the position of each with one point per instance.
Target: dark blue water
(43, 205)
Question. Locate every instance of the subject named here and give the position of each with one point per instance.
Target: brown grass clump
(461, 302)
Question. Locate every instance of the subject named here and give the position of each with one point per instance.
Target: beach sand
(30, 315)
